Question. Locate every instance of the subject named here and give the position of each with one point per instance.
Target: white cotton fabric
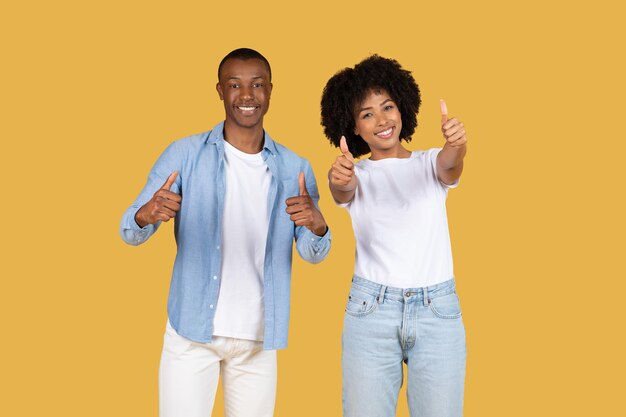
(190, 372)
(400, 222)
(240, 309)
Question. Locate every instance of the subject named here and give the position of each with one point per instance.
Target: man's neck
(248, 140)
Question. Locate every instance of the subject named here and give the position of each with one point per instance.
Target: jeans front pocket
(173, 343)
(360, 303)
(446, 306)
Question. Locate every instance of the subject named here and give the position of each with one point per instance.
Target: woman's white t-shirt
(400, 223)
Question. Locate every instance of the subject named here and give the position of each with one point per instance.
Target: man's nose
(246, 92)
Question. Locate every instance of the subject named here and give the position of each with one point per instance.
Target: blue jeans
(385, 326)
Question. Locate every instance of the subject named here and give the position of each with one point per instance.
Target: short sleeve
(432, 155)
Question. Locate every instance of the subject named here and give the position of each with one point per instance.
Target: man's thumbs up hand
(163, 205)
(302, 183)
(303, 211)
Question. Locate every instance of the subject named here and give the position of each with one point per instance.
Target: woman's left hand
(453, 130)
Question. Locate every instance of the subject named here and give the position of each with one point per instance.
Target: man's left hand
(303, 211)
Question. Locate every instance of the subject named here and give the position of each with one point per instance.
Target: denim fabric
(196, 277)
(386, 326)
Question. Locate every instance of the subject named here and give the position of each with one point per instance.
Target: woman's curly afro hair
(350, 86)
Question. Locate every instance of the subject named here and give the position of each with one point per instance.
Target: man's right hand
(162, 206)
(341, 173)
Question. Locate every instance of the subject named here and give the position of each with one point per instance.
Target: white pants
(190, 371)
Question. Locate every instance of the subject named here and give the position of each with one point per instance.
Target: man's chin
(247, 123)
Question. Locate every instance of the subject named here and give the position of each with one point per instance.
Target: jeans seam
(363, 313)
(443, 316)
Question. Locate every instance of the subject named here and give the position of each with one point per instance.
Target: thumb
(444, 111)
(170, 181)
(302, 183)
(343, 146)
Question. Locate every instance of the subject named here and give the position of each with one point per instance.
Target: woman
(402, 305)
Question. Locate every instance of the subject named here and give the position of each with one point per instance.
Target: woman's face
(378, 121)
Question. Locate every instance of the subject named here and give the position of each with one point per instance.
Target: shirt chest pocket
(289, 188)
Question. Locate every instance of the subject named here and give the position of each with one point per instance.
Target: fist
(342, 171)
(453, 130)
(163, 205)
(303, 212)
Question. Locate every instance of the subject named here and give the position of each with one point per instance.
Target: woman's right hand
(341, 175)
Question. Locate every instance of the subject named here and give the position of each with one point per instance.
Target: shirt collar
(217, 135)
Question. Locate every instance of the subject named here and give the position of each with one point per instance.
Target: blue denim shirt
(196, 278)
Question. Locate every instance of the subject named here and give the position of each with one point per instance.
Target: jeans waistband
(421, 294)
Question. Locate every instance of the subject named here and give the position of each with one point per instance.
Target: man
(238, 199)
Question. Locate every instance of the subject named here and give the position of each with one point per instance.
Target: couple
(239, 199)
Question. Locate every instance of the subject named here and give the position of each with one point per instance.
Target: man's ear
(271, 87)
(218, 87)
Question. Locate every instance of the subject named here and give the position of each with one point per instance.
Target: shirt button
(211, 306)
(214, 276)
(218, 247)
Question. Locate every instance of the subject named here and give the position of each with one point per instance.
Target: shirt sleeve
(310, 247)
(432, 154)
(337, 203)
(168, 162)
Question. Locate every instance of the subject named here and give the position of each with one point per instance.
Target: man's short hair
(244, 54)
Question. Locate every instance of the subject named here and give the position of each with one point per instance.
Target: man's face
(245, 88)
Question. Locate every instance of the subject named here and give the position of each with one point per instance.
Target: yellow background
(92, 92)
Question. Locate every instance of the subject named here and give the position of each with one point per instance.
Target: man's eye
(257, 85)
(234, 86)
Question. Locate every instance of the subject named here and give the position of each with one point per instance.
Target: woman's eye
(388, 107)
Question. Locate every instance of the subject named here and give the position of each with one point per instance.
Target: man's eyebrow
(254, 77)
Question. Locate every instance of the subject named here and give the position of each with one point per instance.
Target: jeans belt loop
(426, 300)
(381, 294)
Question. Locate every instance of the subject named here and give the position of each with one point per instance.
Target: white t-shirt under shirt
(400, 223)
(240, 311)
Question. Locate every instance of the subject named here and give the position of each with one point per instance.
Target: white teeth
(385, 132)
(247, 108)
